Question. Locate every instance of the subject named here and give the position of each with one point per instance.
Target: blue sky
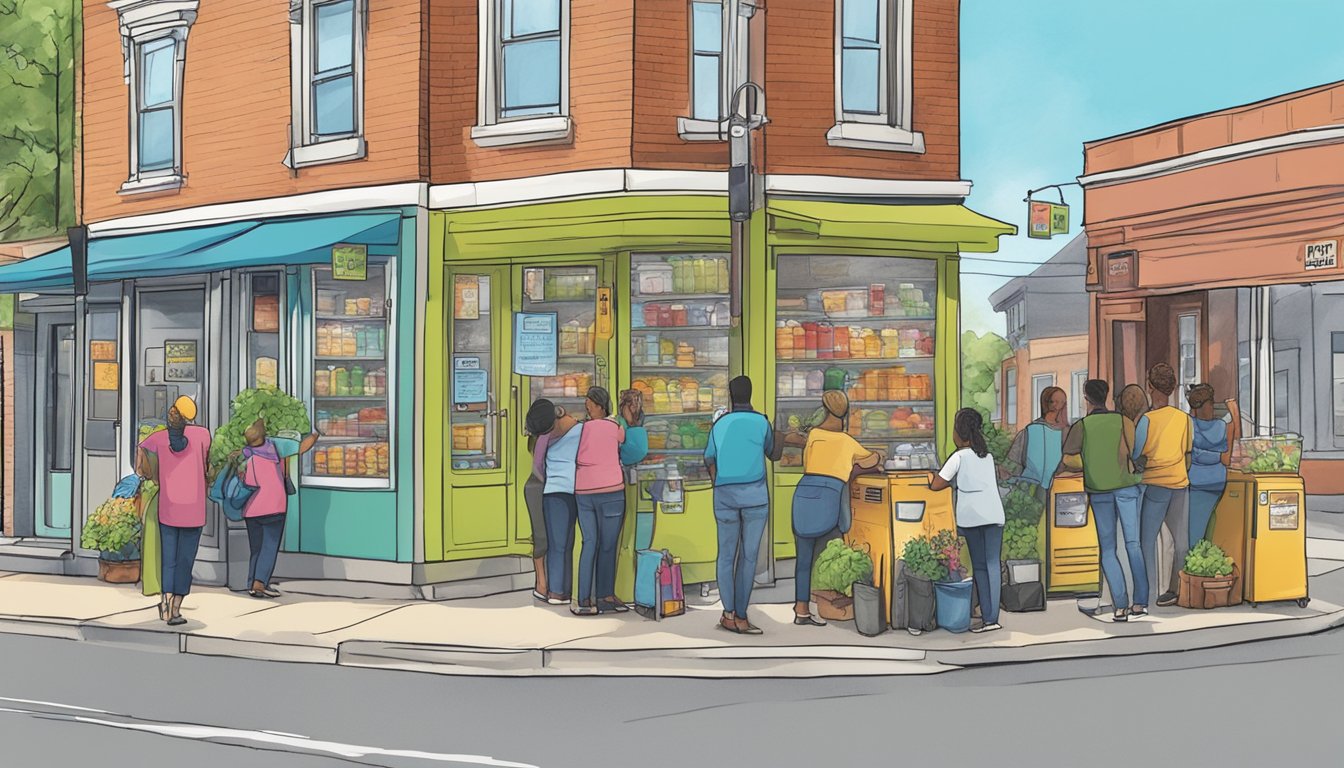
(1040, 78)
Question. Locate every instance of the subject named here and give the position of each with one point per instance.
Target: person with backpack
(739, 444)
(978, 509)
(265, 470)
(1102, 446)
(1036, 450)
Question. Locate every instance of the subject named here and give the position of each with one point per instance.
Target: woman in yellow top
(820, 504)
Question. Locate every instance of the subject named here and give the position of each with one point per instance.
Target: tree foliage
(37, 116)
(981, 358)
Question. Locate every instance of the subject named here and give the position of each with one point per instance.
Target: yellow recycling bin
(1260, 523)
(890, 509)
(1072, 555)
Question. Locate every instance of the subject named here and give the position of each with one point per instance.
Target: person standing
(176, 459)
(1101, 445)
(599, 488)
(266, 470)
(978, 509)
(539, 423)
(820, 503)
(739, 444)
(1167, 436)
(559, 450)
(1208, 474)
(1036, 450)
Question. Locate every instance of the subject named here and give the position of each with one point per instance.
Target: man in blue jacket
(739, 444)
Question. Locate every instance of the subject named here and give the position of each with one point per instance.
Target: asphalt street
(66, 703)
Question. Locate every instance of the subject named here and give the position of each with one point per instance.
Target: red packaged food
(841, 346)
(810, 340)
(651, 315)
(877, 299)
(825, 341)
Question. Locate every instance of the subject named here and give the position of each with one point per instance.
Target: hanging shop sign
(1120, 271)
(471, 382)
(1322, 255)
(1045, 219)
(536, 340)
(350, 262)
(179, 361)
(603, 329)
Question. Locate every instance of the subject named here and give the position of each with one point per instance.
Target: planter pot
(869, 616)
(833, 606)
(1203, 592)
(920, 605)
(119, 571)
(953, 604)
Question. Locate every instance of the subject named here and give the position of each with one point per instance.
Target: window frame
(492, 128)
(1077, 395)
(1036, 378)
(1010, 395)
(306, 146)
(891, 128)
(734, 66)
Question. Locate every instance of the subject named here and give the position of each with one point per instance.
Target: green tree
(981, 357)
(37, 116)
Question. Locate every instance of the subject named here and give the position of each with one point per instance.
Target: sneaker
(1138, 612)
(583, 610)
(1167, 598)
(990, 627)
(915, 632)
(554, 599)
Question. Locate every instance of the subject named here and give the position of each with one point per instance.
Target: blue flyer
(535, 343)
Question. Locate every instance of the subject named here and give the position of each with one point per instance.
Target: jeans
(986, 545)
(740, 531)
(1203, 500)
(561, 512)
(179, 553)
(1163, 505)
(807, 547)
(536, 515)
(1123, 506)
(600, 518)
(264, 535)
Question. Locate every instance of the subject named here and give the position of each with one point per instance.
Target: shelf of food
(805, 314)
(352, 398)
(675, 297)
(677, 414)
(671, 368)
(350, 318)
(816, 400)
(350, 358)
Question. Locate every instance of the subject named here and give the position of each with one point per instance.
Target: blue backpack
(231, 494)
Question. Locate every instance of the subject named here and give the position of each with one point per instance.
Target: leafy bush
(280, 411)
(998, 441)
(1022, 505)
(1207, 559)
(839, 565)
(114, 528)
(922, 559)
(1019, 540)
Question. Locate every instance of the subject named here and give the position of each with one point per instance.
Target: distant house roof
(1063, 272)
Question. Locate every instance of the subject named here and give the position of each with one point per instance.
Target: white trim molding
(849, 186)
(1311, 137)
(691, 129)
(874, 136)
(557, 129)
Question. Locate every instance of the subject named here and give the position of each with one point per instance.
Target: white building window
(154, 45)
(1010, 397)
(1187, 329)
(1077, 397)
(719, 60)
(327, 39)
(1039, 383)
(873, 76)
(1016, 316)
(524, 73)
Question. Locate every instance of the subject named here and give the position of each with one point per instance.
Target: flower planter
(119, 571)
(1203, 592)
(833, 606)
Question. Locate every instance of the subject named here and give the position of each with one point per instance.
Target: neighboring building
(568, 162)
(1046, 314)
(1214, 246)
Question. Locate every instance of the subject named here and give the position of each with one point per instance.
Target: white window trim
(141, 22)
(892, 129)
(1077, 408)
(304, 149)
(493, 131)
(734, 66)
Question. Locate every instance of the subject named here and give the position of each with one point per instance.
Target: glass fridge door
(679, 356)
(571, 293)
(863, 325)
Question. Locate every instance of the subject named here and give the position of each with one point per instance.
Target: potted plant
(953, 604)
(114, 531)
(837, 568)
(282, 413)
(920, 569)
(1209, 578)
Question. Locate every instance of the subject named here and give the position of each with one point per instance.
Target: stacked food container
(571, 293)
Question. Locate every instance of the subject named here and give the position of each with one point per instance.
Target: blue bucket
(953, 604)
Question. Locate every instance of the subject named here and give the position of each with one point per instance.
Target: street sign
(1045, 219)
(1322, 255)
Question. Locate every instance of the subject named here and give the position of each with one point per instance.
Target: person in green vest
(1101, 445)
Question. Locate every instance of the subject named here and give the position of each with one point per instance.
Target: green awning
(916, 227)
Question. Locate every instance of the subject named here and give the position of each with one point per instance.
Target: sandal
(163, 610)
(583, 610)
(176, 621)
(1138, 611)
(1121, 615)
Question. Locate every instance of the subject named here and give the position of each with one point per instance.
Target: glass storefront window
(105, 397)
(679, 355)
(171, 342)
(866, 326)
(351, 378)
(571, 293)
(62, 413)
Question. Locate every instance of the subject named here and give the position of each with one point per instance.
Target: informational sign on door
(106, 377)
(466, 297)
(1283, 511)
(471, 382)
(180, 361)
(535, 343)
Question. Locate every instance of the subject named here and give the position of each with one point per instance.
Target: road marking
(265, 739)
(1325, 549)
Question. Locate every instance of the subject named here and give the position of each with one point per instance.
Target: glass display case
(571, 293)
(863, 325)
(351, 381)
(679, 356)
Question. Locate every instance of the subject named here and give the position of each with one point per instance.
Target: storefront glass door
(57, 340)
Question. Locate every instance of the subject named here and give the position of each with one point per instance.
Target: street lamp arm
(737, 95)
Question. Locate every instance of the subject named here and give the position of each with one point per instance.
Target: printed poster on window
(102, 351)
(535, 343)
(179, 361)
(106, 377)
(1283, 511)
(466, 297)
(350, 262)
(471, 382)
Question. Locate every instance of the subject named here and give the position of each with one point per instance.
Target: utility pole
(743, 181)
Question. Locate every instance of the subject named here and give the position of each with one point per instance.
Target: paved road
(1246, 705)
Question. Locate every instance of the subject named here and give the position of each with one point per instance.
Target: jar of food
(810, 341)
(784, 341)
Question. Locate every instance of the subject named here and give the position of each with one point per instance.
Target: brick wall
(663, 88)
(236, 108)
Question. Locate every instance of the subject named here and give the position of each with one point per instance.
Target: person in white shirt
(979, 510)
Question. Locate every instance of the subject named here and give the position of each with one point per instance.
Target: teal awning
(208, 249)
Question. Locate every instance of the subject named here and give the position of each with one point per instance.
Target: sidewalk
(512, 635)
